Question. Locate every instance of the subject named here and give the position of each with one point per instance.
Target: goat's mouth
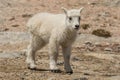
(76, 28)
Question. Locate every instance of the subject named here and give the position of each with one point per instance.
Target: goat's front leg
(53, 53)
(67, 54)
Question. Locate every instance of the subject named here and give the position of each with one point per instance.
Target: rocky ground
(93, 58)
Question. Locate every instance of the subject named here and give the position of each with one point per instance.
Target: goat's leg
(35, 44)
(53, 53)
(66, 55)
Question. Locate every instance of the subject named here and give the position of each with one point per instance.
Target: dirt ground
(92, 59)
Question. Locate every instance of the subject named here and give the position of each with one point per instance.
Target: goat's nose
(76, 26)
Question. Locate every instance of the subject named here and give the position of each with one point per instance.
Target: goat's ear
(64, 9)
(81, 9)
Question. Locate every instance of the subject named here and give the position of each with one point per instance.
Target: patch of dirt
(90, 65)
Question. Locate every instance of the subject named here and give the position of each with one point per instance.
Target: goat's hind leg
(35, 44)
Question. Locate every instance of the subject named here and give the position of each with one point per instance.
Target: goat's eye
(70, 18)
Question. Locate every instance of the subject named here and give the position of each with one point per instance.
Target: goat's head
(73, 18)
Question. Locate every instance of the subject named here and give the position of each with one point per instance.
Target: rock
(15, 25)
(76, 59)
(105, 44)
(82, 78)
(91, 48)
(118, 48)
(60, 63)
(26, 15)
(92, 3)
(102, 44)
(12, 18)
(105, 14)
(85, 26)
(86, 74)
(4, 29)
(97, 44)
(88, 43)
(51, 78)
(107, 49)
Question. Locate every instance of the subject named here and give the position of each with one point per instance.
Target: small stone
(119, 47)
(88, 43)
(107, 49)
(16, 25)
(105, 14)
(86, 74)
(60, 63)
(12, 18)
(51, 78)
(76, 59)
(105, 44)
(92, 3)
(91, 48)
(4, 29)
(22, 78)
(26, 15)
(98, 44)
(82, 78)
(1, 51)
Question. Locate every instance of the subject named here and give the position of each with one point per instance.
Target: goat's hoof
(32, 68)
(70, 72)
(56, 71)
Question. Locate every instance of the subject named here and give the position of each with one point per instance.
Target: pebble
(76, 59)
(82, 78)
(26, 15)
(88, 43)
(86, 74)
(107, 49)
(12, 18)
(60, 63)
(4, 29)
(15, 25)
(98, 44)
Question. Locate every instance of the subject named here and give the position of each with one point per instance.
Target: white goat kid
(57, 30)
